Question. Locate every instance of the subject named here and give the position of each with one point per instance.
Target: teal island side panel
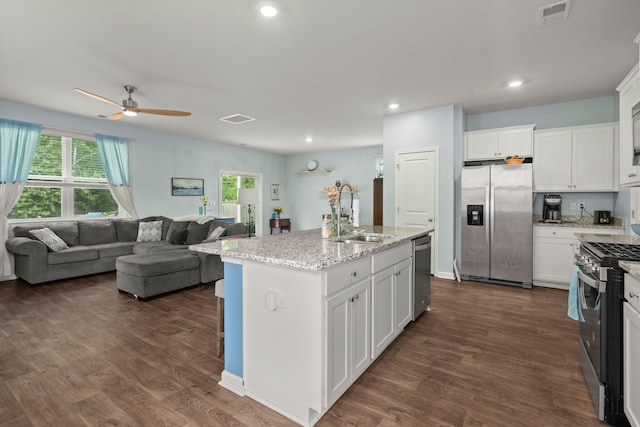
(233, 350)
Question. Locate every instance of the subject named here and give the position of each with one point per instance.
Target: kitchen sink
(364, 238)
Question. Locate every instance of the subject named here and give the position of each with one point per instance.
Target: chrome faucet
(341, 187)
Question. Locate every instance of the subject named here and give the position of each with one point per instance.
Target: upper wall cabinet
(498, 143)
(581, 159)
(629, 91)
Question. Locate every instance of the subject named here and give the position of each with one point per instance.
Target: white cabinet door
(631, 343)
(629, 91)
(348, 346)
(483, 145)
(553, 259)
(361, 329)
(402, 295)
(593, 163)
(515, 142)
(337, 314)
(552, 161)
(498, 143)
(581, 159)
(382, 311)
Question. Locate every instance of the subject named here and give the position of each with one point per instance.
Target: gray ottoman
(148, 275)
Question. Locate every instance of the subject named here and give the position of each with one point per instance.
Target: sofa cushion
(73, 254)
(156, 264)
(235, 228)
(146, 247)
(126, 229)
(115, 249)
(175, 227)
(149, 231)
(178, 237)
(96, 232)
(166, 223)
(197, 232)
(67, 231)
(50, 239)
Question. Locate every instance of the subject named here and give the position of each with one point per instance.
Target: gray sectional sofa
(94, 246)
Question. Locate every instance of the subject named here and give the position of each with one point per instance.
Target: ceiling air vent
(553, 13)
(237, 119)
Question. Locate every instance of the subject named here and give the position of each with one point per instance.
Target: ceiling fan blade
(116, 116)
(98, 97)
(162, 112)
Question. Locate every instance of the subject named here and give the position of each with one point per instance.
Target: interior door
(416, 192)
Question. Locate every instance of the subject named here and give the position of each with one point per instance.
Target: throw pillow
(149, 231)
(217, 233)
(50, 239)
(178, 237)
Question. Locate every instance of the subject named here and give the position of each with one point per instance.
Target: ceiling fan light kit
(130, 107)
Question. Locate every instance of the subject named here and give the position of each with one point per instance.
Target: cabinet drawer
(390, 257)
(570, 232)
(559, 232)
(346, 275)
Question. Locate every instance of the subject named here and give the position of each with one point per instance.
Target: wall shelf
(314, 171)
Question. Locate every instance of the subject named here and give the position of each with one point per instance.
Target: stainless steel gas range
(601, 285)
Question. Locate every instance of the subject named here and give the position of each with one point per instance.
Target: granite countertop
(307, 250)
(631, 267)
(577, 221)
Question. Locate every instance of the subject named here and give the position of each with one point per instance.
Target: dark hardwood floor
(76, 353)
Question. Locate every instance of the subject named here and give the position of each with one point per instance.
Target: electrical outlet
(574, 206)
(580, 205)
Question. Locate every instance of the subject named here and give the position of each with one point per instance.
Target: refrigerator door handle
(492, 213)
(486, 204)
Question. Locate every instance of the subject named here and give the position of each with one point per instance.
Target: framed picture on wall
(187, 187)
(275, 192)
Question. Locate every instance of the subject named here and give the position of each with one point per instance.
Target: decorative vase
(278, 215)
(334, 222)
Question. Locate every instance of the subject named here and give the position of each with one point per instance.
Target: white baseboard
(232, 382)
(445, 275)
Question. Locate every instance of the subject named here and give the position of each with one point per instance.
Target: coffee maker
(551, 208)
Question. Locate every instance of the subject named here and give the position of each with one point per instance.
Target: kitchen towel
(574, 311)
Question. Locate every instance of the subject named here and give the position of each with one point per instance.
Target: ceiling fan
(130, 107)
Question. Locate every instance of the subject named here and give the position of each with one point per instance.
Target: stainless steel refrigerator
(497, 224)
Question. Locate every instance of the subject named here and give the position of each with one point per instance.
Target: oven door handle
(596, 284)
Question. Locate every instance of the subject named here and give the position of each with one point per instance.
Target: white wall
(305, 200)
(156, 157)
(437, 127)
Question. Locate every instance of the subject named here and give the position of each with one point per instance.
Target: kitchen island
(305, 316)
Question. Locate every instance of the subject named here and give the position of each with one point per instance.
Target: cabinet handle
(568, 186)
(351, 299)
(631, 175)
(632, 295)
(356, 297)
(354, 274)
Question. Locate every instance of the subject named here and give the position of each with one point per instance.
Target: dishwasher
(421, 275)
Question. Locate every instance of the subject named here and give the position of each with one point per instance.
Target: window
(229, 199)
(66, 180)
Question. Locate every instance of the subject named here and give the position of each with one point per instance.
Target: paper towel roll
(356, 212)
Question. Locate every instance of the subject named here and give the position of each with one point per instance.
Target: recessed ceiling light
(267, 9)
(515, 83)
(394, 106)
(308, 139)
